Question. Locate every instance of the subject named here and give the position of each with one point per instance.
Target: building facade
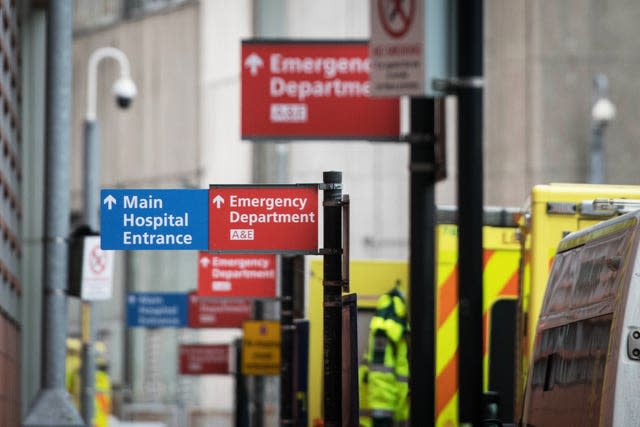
(183, 131)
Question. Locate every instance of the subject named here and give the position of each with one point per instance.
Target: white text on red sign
(263, 218)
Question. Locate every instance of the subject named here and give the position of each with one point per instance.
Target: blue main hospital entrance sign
(157, 310)
(154, 219)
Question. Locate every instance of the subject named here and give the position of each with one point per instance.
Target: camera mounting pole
(124, 89)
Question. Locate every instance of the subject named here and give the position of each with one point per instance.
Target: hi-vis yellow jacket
(384, 372)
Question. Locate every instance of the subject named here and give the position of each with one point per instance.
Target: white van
(585, 369)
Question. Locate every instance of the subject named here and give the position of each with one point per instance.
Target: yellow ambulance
(585, 367)
(372, 278)
(551, 213)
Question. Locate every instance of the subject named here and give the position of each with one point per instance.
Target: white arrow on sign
(253, 62)
(205, 262)
(218, 200)
(109, 201)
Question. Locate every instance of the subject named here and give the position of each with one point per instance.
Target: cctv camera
(124, 90)
(603, 111)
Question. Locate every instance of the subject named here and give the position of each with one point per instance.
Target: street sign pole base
(52, 408)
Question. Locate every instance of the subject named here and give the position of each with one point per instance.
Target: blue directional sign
(157, 310)
(154, 219)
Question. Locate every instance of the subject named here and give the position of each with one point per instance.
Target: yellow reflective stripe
(448, 417)
(447, 338)
(582, 237)
(447, 345)
(497, 272)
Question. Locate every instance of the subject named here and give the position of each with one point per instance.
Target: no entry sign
(312, 90)
(237, 275)
(97, 271)
(277, 219)
(397, 48)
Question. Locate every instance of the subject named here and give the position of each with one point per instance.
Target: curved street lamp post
(124, 91)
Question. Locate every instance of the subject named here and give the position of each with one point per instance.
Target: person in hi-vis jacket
(384, 371)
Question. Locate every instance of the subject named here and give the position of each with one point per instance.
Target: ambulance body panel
(552, 212)
(585, 366)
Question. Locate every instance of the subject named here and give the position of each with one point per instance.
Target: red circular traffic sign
(97, 260)
(396, 16)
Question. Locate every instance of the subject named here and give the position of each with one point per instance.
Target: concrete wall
(540, 60)
(155, 142)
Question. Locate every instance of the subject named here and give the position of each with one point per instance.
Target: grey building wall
(32, 42)
(154, 142)
(540, 61)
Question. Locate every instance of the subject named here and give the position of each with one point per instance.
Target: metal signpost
(52, 405)
(332, 298)
(236, 220)
(409, 48)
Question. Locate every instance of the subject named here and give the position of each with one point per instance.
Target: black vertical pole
(422, 277)
(302, 372)
(242, 400)
(287, 348)
(258, 380)
(470, 202)
(332, 299)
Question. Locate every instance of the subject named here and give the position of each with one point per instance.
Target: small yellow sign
(261, 347)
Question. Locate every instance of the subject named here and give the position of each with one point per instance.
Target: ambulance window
(561, 281)
(599, 274)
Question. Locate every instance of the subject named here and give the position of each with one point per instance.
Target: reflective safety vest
(384, 371)
(102, 399)
(401, 413)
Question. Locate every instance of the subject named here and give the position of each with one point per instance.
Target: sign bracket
(329, 186)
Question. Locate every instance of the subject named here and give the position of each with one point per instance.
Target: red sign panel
(312, 90)
(267, 218)
(237, 275)
(209, 312)
(199, 359)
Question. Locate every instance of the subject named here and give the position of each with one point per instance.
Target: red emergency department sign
(212, 312)
(312, 90)
(278, 219)
(199, 359)
(237, 275)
